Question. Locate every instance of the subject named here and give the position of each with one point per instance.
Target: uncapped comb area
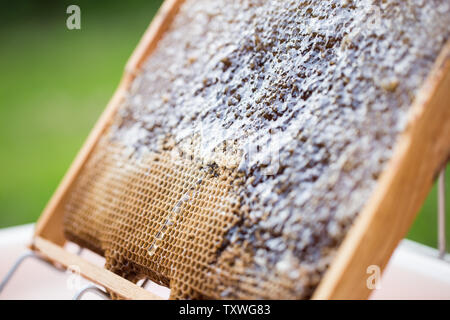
(251, 139)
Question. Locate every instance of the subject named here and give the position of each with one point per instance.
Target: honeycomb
(153, 218)
(250, 141)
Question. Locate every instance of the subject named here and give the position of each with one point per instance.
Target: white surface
(414, 272)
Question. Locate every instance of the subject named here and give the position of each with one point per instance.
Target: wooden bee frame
(419, 154)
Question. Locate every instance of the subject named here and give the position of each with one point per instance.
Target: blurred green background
(55, 82)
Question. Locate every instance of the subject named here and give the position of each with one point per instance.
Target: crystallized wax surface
(290, 108)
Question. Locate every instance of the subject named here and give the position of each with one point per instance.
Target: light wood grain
(422, 150)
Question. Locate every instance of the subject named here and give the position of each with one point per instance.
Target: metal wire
(22, 258)
(144, 283)
(441, 214)
(93, 289)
